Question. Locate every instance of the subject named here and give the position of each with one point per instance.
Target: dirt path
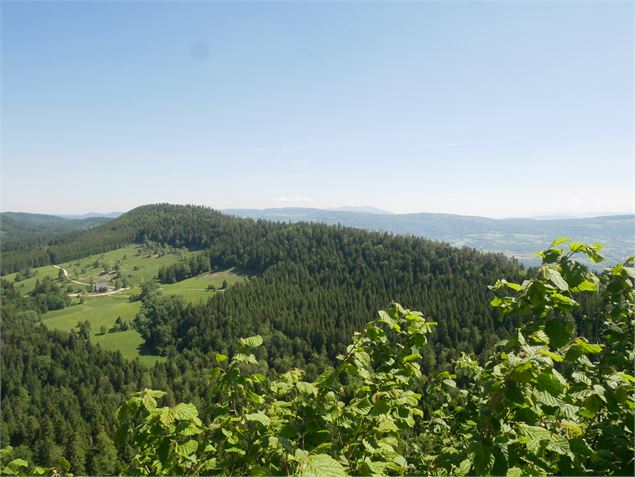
(68, 278)
(108, 293)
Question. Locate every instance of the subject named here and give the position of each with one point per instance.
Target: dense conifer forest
(310, 289)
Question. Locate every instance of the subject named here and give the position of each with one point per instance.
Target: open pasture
(102, 311)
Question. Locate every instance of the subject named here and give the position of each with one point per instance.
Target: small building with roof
(100, 286)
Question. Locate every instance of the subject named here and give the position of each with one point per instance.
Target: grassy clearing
(134, 265)
(103, 311)
(130, 344)
(196, 289)
(99, 311)
(27, 285)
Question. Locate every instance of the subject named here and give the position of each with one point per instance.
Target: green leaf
(558, 241)
(257, 398)
(590, 251)
(259, 470)
(483, 460)
(576, 246)
(551, 383)
(554, 277)
(464, 468)
(581, 347)
(534, 436)
(563, 299)
(580, 377)
(522, 372)
(251, 342)
(539, 337)
(514, 472)
(550, 354)
(214, 374)
(387, 424)
(166, 416)
(534, 432)
(41, 471)
(411, 357)
(65, 465)
(184, 412)
(585, 286)
(235, 450)
(545, 398)
(513, 286)
(260, 417)
(451, 383)
(586, 347)
(286, 443)
(559, 445)
(626, 376)
(148, 401)
(15, 465)
(187, 429)
(322, 465)
(186, 448)
(559, 333)
(306, 388)
(362, 407)
(414, 316)
(245, 358)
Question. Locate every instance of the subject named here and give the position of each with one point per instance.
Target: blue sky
(493, 109)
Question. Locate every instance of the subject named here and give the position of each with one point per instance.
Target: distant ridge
(364, 209)
(22, 226)
(90, 215)
(519, 238)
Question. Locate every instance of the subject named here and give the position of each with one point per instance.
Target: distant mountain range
(368, 210)
(89, 215)
(519, 238)
(16, 226)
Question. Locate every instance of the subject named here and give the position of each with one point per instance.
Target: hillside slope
(314, 283)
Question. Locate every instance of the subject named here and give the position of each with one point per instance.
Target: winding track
(107, 293)
(68, 278)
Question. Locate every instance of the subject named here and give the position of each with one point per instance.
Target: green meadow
(196, 288)
(133, 263)
(103, 311)
(137, 265)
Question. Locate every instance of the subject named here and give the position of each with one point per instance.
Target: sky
(496, 109)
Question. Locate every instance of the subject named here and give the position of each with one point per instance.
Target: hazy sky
(494, 109)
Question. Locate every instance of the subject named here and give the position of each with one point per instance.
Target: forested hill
(313, 284)
(310, 287)
(519, 238)
(23, 230)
